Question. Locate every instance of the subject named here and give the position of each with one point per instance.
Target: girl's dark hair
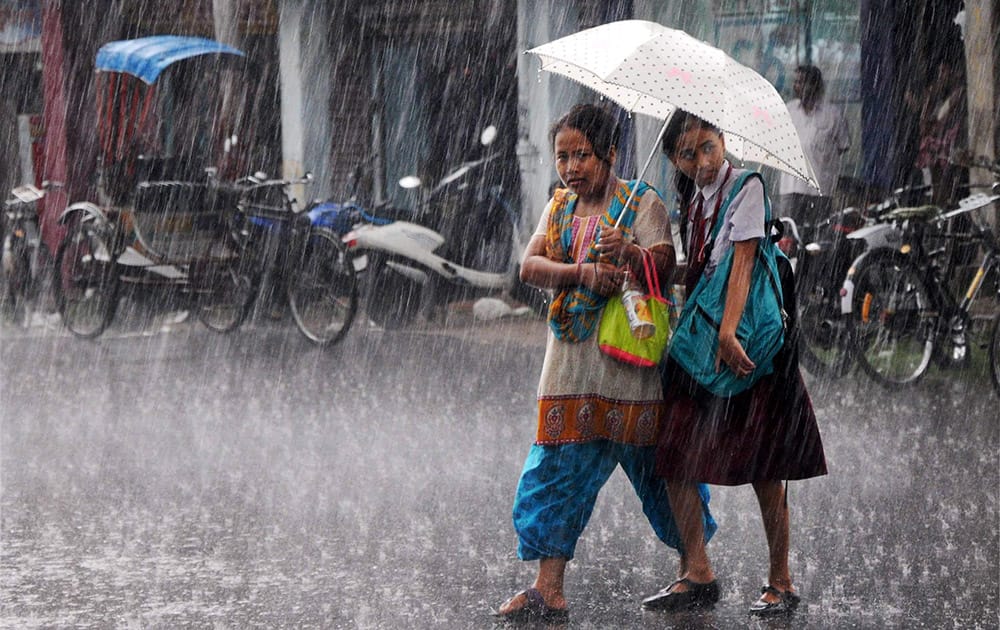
(813, 77)
(680, 123)
(597, 124)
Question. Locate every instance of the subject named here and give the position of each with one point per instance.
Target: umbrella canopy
(651, 69)
(147, 57)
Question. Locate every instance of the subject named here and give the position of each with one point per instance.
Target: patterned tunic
(584, 394)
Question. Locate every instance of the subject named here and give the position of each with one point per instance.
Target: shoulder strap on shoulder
(735, 190)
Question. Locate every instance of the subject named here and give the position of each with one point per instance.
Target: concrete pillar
(224, 21)
(304, 54)
(982, 30)
(542, 98)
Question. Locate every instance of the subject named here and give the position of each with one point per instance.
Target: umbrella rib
(809, 177)
(630, 108)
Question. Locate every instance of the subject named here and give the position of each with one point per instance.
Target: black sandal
(534, 609)
(696, 596)
(787, 602)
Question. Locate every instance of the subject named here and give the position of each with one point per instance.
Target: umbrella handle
(645, 167)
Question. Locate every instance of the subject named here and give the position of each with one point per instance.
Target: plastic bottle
(640, 320)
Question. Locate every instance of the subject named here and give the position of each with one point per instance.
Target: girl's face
(699, 155)
(578, 166)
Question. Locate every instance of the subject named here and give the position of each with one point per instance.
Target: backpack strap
(735, 190)
(765, 241)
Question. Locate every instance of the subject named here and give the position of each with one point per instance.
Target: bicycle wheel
(995, 353)
(323, 290)
(824, 334)
(86, 280)
(225, 282)
(892, 322)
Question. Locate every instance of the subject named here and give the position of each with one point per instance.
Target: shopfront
(21, 128)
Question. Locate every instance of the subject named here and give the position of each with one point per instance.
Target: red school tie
(696, 251)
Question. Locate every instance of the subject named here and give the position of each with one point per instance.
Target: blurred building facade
(406, 87)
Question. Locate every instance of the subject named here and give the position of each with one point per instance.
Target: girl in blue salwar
(594, 412)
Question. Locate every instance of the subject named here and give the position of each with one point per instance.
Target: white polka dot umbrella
(651, 69)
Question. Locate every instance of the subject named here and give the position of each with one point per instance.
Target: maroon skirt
(768, 432)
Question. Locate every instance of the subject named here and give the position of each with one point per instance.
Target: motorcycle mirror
(488, 135)
(410, 181)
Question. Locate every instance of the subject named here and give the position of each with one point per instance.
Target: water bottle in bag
(640, 320)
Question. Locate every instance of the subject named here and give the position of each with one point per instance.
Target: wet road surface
(188, 479)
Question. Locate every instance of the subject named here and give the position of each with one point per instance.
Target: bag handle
(652, 277)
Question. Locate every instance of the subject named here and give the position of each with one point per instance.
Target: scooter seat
(174, 221)
(920, 213)
(393, 213)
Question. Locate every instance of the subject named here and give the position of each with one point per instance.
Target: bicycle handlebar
(247, 186)
(252, 183)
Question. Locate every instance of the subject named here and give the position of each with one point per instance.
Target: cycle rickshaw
(161, 216)
(167, 107)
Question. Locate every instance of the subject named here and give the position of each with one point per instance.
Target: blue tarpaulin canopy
(147, 57)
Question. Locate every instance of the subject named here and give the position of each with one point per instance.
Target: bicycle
(287, 254)
(822, 261)
(904, 315)
(156, 216)
(819, 267)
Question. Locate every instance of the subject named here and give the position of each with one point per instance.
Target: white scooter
(462, 242)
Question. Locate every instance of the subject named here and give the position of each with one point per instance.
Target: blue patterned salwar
(559, 486)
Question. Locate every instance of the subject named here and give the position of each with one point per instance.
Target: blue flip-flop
(534, 609)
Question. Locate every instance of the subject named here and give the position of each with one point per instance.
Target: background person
(943, 121)
(594, 413)
(825, 138)
(762, 436)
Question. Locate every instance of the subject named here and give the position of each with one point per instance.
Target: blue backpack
(761, 330)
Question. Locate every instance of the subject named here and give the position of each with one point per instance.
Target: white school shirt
(743, 219)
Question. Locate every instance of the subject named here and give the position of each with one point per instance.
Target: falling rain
(266, 358)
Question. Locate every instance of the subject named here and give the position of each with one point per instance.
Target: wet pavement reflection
(251, 480)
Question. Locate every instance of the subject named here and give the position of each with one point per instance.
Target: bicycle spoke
(893, 326)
